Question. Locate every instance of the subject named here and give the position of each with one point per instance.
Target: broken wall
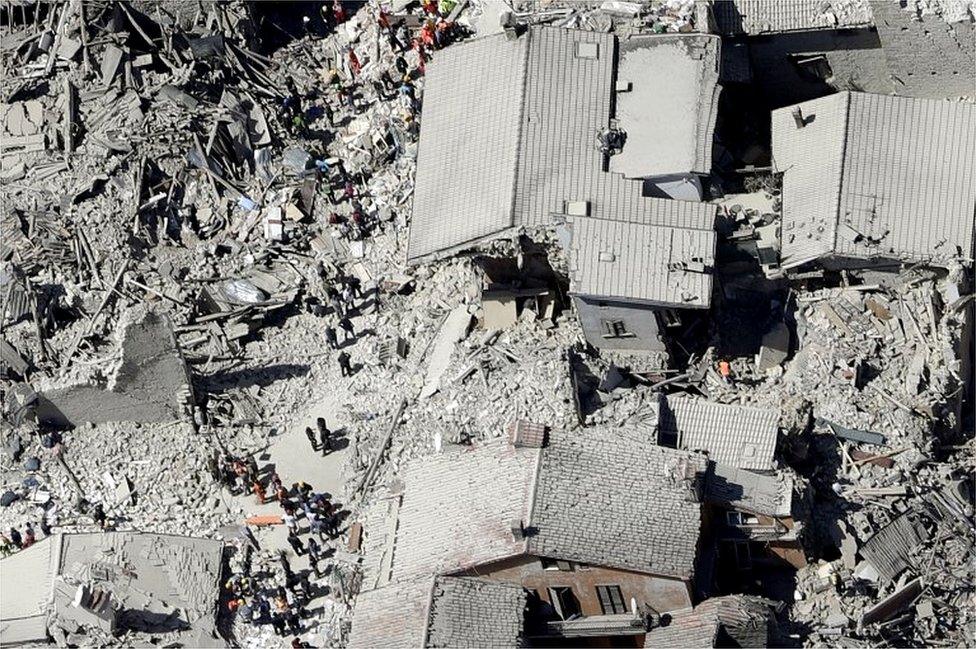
(152, 384)
(661, 593)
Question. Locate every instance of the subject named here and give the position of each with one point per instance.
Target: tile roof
(392, 617)
(637, 262)
(467, 612)
(445, 611)
(771, 495)
(727, 621)
(877, 176)
(608, 498)
(739, 436)
(460, 125)
(458, 508)
(509, 135)
(733, 17)
(667, 132)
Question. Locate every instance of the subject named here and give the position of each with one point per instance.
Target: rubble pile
(204, 216)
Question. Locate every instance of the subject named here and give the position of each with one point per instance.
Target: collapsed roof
(164, 584)
(509, 139)
(735, 17)
(876, 176)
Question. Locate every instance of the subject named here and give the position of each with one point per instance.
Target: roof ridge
(843, 164)
(533, 494)
(517, 150)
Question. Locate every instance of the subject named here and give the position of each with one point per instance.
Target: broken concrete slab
(454, 330)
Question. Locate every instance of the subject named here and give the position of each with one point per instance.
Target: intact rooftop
(644, 520)
(442, 611)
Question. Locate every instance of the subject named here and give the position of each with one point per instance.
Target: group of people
(340, 294)
(14, 540)
(276, 594)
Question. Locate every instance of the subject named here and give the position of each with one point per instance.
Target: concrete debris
(206, 305)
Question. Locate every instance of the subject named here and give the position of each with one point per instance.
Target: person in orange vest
(427, 33)
(724, 369)
(258, 491)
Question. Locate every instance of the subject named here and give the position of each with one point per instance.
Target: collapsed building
(534, 113)
(829, 459)
(97, 587)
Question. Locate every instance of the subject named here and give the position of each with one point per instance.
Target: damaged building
(91, 587)
(619, 223)
(470, 323)
(876, 180)
(537, 512)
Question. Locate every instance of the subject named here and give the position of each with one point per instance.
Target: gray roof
(467, 612)
(642, 263)
(467, 142)
(734, 488)
(509, 136)
(392, 617)
(889, 550)
(739, 436)
(23, 610)
(608, 498)
(445, 611)
(733, 17)
(668, 132)
(877, 176)
(727, 621)
(458, 508)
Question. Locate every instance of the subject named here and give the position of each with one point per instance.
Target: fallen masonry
(467, 323)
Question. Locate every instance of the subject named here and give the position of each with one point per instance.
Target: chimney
(518, 532)
(798, 117)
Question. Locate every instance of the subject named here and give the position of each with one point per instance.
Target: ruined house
(730, 621)
(876, 180)
(739, 436)
(78, 586)
(751, 520)
(538, 110)
(599, 556)
(796, 50)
